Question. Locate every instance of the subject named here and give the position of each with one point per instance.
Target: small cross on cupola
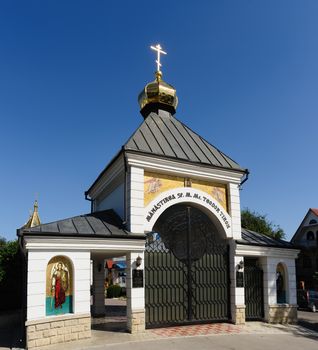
(159, 51)
(158, 95)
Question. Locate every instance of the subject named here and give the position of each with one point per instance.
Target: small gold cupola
(34, 219)
(158, 94)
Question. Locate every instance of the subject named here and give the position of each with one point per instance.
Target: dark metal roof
(106, 224)
(254, 238)
(164, 135)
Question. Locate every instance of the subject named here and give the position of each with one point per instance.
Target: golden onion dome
(158, 94)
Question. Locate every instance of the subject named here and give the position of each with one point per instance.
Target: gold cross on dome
(159, 50)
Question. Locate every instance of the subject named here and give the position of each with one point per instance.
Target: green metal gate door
(186, 270)
(254, 299)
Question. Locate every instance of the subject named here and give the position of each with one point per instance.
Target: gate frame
(189, 319)
(137, 221)
(262, 312)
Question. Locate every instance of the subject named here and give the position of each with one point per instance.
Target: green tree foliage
(254, 221)
(8, 255)
(10, 275)
(2, 242)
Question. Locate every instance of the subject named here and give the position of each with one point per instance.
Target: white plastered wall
(269, 265)
(135, 296)
(36, 290)
(114, 200)
(237, 293)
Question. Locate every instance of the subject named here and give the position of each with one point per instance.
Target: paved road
(221, 342)
(256, 336)
(253, 336)
(308, 319)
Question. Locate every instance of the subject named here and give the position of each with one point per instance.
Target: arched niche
(59, 286)
(281, 284)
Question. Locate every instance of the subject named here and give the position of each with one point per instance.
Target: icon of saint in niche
(59, 284)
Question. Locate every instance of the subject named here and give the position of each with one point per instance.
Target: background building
(306, 238)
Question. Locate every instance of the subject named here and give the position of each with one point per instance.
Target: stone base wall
(282, 313)
(60, 329)
(239, 314)
(136, 321)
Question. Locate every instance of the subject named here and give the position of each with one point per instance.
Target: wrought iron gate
(254, 299)
(186, 270)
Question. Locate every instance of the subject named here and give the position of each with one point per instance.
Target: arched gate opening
(186, 269)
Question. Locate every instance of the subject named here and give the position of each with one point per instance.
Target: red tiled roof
(315, 211)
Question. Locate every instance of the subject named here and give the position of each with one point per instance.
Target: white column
(135, 199)
(235, 210)
(135, 296)
(98, 287)
(269, 288)
(237, 293)
(292, 284)
(81, 261)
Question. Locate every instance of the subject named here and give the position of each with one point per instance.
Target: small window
(310, 236)
(313, 221)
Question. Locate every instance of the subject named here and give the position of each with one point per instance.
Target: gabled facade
(306, 238)
(164, 148)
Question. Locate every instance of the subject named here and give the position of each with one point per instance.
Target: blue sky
(246, 74)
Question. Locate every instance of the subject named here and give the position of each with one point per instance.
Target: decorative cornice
(72, 243)
(250, 250)
(181, 168)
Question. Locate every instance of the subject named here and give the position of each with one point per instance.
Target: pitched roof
(300, 228)
(315, 211)
(102, 224)
(164, 135)
(254, 238)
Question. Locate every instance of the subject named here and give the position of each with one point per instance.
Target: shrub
(113, 291)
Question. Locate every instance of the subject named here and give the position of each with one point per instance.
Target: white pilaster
(135, 296)
(237, 293)
(98, 287)
(235, 209)
(135, 199)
